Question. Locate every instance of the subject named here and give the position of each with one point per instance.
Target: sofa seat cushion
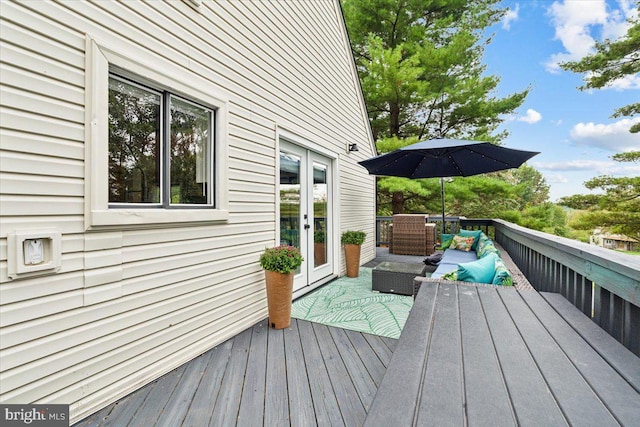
(450, 260)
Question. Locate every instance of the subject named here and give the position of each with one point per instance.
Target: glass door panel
(290, 200)
(320, 200)
(305, 211)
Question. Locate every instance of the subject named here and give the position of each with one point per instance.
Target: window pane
(134, 144)
(190, 153)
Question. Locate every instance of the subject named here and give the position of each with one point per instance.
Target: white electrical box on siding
(33, 253)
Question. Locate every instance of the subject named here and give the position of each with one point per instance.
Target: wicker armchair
(412, 235)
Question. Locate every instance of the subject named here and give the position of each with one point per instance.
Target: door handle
(307, 226)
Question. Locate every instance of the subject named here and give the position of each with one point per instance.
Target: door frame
(306, 144)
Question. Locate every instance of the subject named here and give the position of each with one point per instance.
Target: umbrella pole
(442, 193)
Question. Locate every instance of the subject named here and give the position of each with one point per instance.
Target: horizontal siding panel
(98, 317)
(20, 184)
(70, 262)
(40, 307)
(44, 45)
(241, 138)
(246, 218)
(42, 205)
(146, 237)
(103, 258)
(252, 166)
(38, 63)
(134, 279)
(42, 146)
(252, 188)
(16, 77)
(32, 289)
(255, 197)
(241, 148)
(177, 248)
(19, 99)
(253, 206)
(250, 151)
(248, 176)
(64, 224)
(99, 278)
(172, 315)
(42, 23)
(126, 359)
(34, 123)
(298, 67)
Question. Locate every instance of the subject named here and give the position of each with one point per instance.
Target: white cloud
(510, 16)
(531, 117)
(599, 167)
(576, 22)
(556, 178)
(611, 137)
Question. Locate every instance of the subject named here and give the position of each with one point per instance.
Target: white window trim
(97, 212)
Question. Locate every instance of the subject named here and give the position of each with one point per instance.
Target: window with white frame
(156, 141)
(160, 148)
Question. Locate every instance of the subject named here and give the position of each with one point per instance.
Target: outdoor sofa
(471, 258)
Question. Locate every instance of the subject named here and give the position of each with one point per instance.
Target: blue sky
(572, 129)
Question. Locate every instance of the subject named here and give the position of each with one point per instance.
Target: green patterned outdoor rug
(349, 303)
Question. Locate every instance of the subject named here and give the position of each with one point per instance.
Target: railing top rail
(615, 271)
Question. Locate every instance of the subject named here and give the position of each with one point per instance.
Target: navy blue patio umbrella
(440, 158)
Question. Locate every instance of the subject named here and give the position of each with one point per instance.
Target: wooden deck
(468, 356)
(492, 355)
(307, 375)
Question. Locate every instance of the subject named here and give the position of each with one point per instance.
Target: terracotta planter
(352, 259)
(279, 298)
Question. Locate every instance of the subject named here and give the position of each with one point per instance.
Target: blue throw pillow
(480, 271)
(471, 233)
(445, 240)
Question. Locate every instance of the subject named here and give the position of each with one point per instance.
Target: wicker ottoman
(396, 277)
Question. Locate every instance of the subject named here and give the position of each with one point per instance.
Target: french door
(305, 210)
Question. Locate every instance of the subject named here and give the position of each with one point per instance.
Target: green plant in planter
(351, 237)
(283, 259)
(319, 236)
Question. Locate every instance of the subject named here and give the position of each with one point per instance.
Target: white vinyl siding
(133, 301)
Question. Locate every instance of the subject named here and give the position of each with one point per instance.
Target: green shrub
(283, 259)
(353, 237)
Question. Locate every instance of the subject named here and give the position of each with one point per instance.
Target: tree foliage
(420, 66)
(616, 208)
(611, 61)
(419, 63)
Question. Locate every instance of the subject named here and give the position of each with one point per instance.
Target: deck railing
(602, 283)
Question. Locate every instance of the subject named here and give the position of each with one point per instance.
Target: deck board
(564, 380)
(492, 355)
(529, 393)
(308, 374)
(486, 395)
(351, 407)
(443, 398)
(300, 403)
(254, 388)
